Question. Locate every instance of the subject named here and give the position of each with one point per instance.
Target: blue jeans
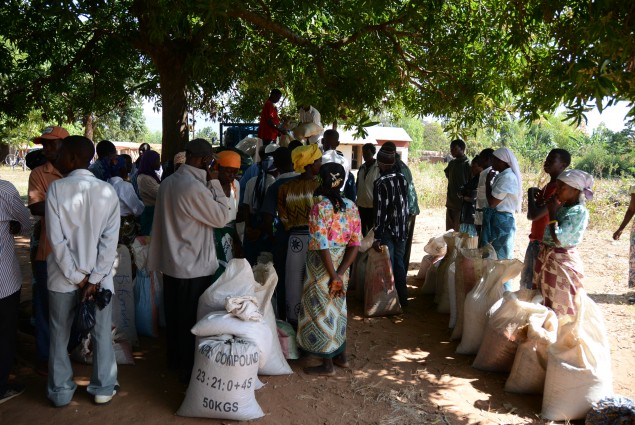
(61, 387)
(397, 250)
(499, 229)
(41, 310)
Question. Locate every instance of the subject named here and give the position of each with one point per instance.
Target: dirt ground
(404, 369)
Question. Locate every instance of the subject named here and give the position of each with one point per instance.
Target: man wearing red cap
(39, 182)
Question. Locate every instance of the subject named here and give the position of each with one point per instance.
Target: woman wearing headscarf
(148, 184)
(559, 271)
(503, 189)
(335, 236)
(226, 238)
(295, 200)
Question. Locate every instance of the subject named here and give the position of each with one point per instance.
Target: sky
(612, 117)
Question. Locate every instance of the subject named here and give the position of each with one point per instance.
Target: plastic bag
(579, 364)
(147, 299)
(380, 295)
(436, 246)
(286, 335)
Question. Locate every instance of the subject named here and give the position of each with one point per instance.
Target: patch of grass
(606, 210)
(19, 178)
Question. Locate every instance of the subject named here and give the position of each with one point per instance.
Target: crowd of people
(299, 202)
(484, 194)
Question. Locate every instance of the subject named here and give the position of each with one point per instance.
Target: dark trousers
(181, 302)
(280, 246)
(41, 310)
(9, 312)
(367, 216)
(397, 250)
(452, 219)
(411, 233)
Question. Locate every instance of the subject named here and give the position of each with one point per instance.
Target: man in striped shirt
(390, 204)
(14, 219)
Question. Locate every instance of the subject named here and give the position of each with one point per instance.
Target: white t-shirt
(505, 188)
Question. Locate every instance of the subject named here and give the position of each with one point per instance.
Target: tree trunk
(4, 151)
(89, 125)
(172, 80)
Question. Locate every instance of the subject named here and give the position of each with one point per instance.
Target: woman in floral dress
(335, 236)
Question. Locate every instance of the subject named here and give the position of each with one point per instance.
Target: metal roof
(375, 135)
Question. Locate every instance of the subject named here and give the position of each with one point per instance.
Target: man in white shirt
(82, 214)
(189, 206)
(308, 113)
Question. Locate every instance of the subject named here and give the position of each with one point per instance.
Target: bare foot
(341, 361)
(325, 369)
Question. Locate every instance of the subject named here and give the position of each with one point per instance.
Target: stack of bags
(237, 341)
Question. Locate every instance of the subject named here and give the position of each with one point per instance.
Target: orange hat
(228, 159)
(52, 132)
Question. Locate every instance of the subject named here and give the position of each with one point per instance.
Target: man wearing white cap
(190, 204)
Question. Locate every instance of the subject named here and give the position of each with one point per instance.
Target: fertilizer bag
(123, 305)
(266, 281)
(380, 295)
(430, 283)
(147, 294)
(442, 295)
(505, 330)
(481, 299)
(223, 381)
(530, 364)
(469, 270)
(579, 364)
(426, 262)
(239, 279)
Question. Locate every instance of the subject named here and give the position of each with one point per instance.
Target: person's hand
(377, 246)
(83, 282)
(89, 290)
(14, 227)
(336, 287)
(212, 174)
(617, 234)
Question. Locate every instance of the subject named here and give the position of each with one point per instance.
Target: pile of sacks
(567, 359)
(237, 340)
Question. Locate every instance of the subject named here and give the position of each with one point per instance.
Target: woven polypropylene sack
(528, 372)
(579, 364)
(123, 306)
(380, 295)
(469, 270)
(223, 381)
(504, 332)
(481, 299)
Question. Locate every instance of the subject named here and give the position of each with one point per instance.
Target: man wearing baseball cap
(189, 206)
(39, 180)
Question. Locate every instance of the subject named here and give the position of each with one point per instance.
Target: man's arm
(59, 244)
(38, 209)
(107, 247)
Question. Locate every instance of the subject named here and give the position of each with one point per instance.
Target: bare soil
(404, 369)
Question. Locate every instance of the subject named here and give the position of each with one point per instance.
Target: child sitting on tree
(555, 163)
(559, 270)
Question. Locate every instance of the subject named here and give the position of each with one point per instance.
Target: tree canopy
(472, 63)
